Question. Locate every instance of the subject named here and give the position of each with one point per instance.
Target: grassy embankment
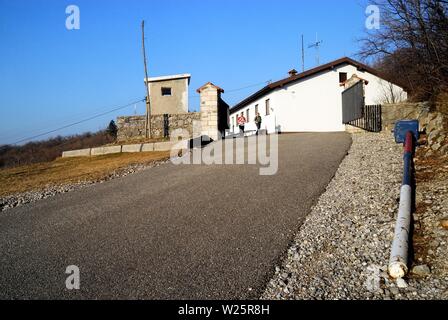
(69, 170)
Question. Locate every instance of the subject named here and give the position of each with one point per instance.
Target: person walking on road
(258, 122)
(241, 123)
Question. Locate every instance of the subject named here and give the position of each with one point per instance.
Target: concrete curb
(129, 148)
(76, 153)
(105, 150)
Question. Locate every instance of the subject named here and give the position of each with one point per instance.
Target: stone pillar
(209, 97)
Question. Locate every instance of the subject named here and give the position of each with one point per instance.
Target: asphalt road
(169, 232)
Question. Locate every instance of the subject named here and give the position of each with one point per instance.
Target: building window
(342, 77)
(247, 115)
(233, 122)
(256, 109)
(268, 107)
(166, 92)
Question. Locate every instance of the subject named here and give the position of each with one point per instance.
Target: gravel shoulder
(342, 249)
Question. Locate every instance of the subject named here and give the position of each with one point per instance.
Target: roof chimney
(292, 72)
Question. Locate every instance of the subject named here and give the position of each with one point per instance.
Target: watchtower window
(166, 92)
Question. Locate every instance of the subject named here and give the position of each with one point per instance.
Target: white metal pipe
(400, 246)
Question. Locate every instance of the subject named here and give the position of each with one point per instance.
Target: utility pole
(148, 106)
(316, 45)
(303, 56)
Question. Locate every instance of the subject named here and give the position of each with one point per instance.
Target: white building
(312, 101)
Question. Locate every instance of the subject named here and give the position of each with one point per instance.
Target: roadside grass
(70, 170)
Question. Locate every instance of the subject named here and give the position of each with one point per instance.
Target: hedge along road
(169, 232)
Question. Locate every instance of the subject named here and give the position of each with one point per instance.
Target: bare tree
(390, 93)
(411, 44)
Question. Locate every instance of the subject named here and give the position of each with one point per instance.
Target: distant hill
(49, 150)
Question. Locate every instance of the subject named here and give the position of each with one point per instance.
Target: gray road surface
(170, 232)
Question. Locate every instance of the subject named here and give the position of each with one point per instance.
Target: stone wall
(212, 120)
(175, 121)
(133, 127)
(433, 123)
(129, 128)
(402, 111)
(436, 126)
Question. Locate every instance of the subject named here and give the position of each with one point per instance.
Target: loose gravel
(342, 249)
(14, 200)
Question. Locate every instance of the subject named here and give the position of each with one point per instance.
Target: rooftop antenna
(316, 45)
(303, 56)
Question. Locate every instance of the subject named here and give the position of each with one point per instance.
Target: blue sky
(51, 76)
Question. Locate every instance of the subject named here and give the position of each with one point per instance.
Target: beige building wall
(176, 103)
